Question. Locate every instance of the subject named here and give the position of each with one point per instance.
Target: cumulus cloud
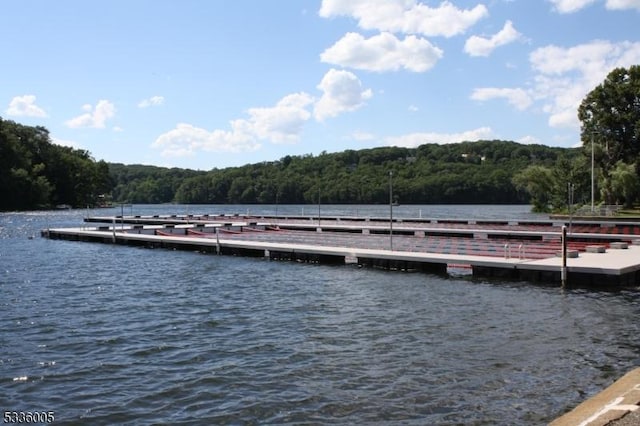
(70, 144)
(342, 92)
(570, 6)
(516, 97)
(281, 123)
(383, 52)
(480, 46)
(25, 106)
(623, 4)
(406, 16)
(361, 136)
(566, 75)
(413, 140)
(186, 140)
(93, 117)
(284, 121)
(529, 140)
(563, 77)
(152, 101)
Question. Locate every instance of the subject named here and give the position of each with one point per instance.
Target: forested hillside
(142, 184)
(37, 174)
(468, 172)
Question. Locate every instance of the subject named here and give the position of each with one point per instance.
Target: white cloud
(413, 140)
(362, 136)
(342, 92)
(413, 108)
(566, 75)
(152, 101)
(529, 140)
(516, 97)
(25, 106)
(284, 121)
(281, 123)
(383, 52)
(406, 16)
(186, 140)
(623, 4)
(570, 6)
(93, 117)
(480, 46)
(62, 142)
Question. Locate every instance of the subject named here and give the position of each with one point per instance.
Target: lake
(104, 334)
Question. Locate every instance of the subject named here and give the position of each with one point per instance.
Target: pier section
(603, 256)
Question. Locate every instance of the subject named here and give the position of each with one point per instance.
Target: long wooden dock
(600, 254)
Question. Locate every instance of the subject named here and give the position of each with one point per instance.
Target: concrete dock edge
(608, 406)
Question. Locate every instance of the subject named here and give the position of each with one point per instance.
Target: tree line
(37, 174)
(34, 173)
(463, 173)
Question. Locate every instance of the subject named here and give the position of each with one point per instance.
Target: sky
(205, 84)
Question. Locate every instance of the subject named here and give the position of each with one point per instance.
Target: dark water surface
(104, 334)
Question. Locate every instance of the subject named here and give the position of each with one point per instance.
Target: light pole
(570, 189)
(390, 210)
(592, 176)
(319, 199)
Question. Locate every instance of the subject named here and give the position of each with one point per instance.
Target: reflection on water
(109, 334)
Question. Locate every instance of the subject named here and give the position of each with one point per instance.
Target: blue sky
(204, 84)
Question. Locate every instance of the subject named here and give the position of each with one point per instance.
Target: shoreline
(617, 405)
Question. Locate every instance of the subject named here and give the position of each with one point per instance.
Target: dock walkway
(605, 254)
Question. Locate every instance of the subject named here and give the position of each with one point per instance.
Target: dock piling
(563, 271)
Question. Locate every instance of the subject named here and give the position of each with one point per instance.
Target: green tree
(36, 174)
(538, 182)
(610, 119)
(624, 183)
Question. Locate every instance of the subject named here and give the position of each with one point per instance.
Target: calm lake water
(103, 334)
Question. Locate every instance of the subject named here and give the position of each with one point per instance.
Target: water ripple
(107, 334)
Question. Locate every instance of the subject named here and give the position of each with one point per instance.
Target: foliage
(34, 173)
(464, 173)
(538, 182)
(624, 183)
(610, 117)
(146, 184)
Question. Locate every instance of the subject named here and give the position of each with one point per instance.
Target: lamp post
(390, 210)
(319, 188)
(592, 176)
(570, 189)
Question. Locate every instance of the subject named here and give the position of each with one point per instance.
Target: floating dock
(603, 254)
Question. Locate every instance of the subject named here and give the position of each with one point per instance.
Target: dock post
(563, 271)
(114, 229)
(217, 241)
(391, 210)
